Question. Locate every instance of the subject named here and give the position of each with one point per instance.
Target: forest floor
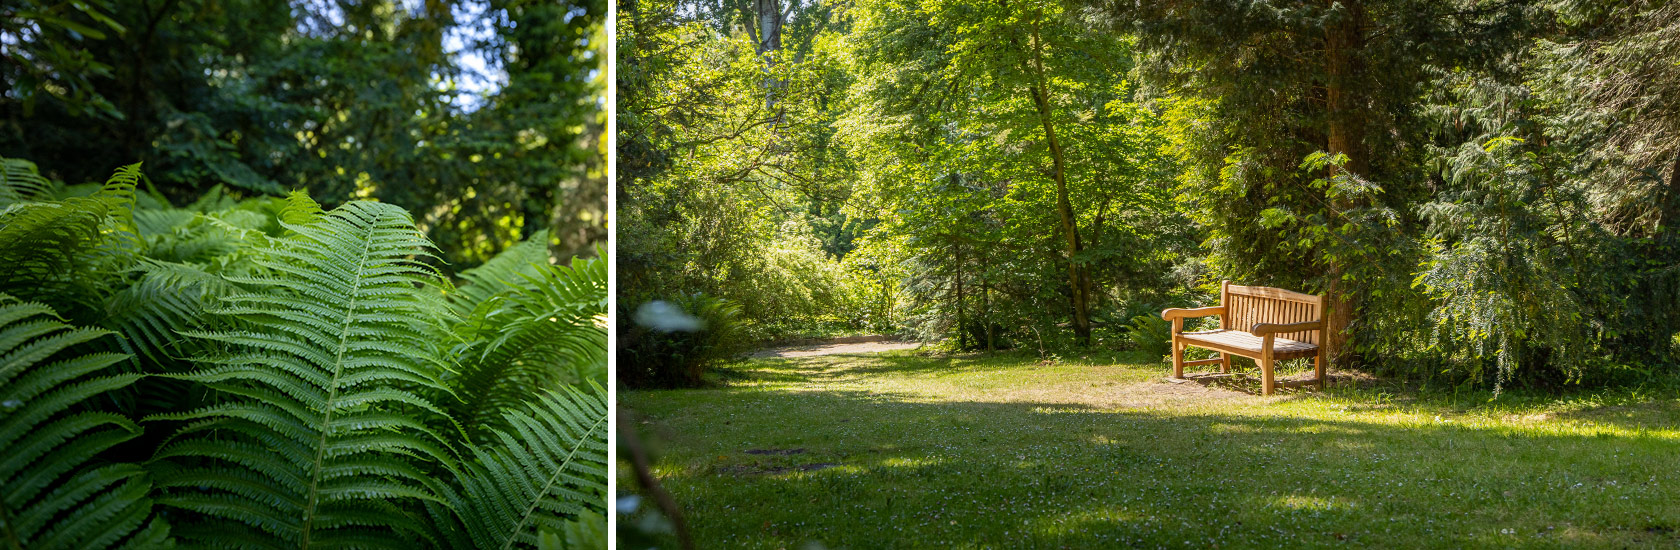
(903, 449)
(835, 348)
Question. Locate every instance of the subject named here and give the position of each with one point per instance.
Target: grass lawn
(901, 450)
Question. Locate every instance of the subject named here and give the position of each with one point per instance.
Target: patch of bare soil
(1164, 392)
(834, 348)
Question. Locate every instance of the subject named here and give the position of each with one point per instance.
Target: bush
(668, 344)
(1151, 334)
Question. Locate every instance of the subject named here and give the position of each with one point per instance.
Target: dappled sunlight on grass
(1012, 451)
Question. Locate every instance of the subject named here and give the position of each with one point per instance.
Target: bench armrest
(1176, 313)
(1263, 329)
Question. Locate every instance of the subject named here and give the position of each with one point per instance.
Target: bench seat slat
(1241, 341)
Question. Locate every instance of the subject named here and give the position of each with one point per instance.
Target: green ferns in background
(56, 490)
(261, 373)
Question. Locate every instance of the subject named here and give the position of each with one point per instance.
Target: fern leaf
(502, 273)
(547, 468)
(67, 252)
(55, 492)
(537, 326)
(168, 299)
(317, 441)
(20, 181)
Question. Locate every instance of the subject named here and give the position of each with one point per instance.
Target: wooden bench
(1261, 323)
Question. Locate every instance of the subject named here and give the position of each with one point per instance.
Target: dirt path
(836, 348)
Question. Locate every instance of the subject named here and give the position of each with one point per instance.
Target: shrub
(673, 343)
(1151, 334)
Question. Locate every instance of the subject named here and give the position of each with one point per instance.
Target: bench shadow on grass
(877, 470)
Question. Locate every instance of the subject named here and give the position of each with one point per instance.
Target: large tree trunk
(769, 16)
(1079, 281)
(1346, 129)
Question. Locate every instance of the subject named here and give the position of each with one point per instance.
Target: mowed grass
(900, 450)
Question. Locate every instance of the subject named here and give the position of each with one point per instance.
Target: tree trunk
(1668, 220)
(962, 319)
(1078, 280)
(986, 304)
(769, 15)
(1346, 129)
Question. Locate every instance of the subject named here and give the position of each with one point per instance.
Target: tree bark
(1079, 280)
(1668, 221)
(1346, 129)
(986, 305)
(962, 319)
(769, 15)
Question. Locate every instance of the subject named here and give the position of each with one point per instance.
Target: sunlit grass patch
(1007, 451)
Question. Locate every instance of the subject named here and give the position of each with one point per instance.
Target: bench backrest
(1247, 305)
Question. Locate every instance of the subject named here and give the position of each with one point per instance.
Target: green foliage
(767, 231)
(21, 181)
(301, 373)
(1486, 195)
(547, 473)
(58, 486)
(318, 439)
(48, 247)
(361, 99)
(1151, 334)
(674, 343)
(527, 324)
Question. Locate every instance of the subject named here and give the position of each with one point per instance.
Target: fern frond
(55, 492)
(167, 300)
(502, 273)
(547, 468)
(20, 181)
(539, 326)
(67, 252)
(321, 438)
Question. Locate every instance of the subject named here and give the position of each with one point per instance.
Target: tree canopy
(485, 118)
(1486, 192)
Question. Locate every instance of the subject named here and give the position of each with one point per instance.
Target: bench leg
(1267, 383)
(1318, 367)
(1225, 362)
(1178, 358)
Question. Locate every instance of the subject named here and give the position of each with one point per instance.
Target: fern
(548, 470)
(502, 273)
(167, 300)
(54, 490)
(66, 252)
(528, 325)
(20, 181)
(319, 442)
(1151, 335)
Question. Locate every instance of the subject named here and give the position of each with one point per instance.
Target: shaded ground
(814, 350)
(897, 450)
